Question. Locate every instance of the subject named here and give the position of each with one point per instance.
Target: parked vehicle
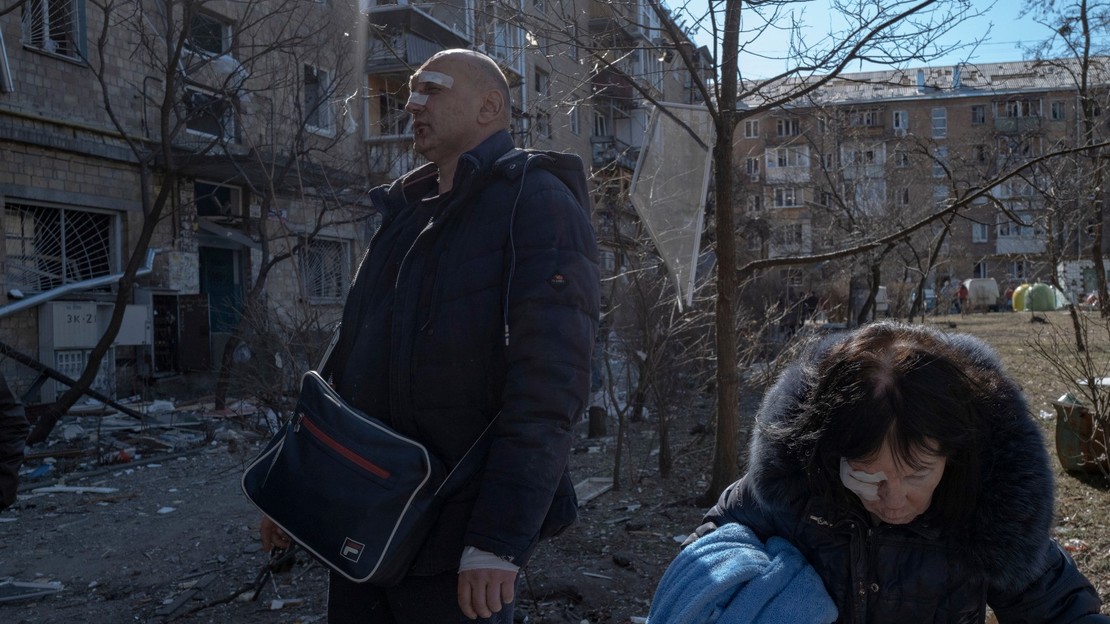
(929, 296)
(982, 294)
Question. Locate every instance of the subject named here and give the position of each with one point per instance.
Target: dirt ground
(168, 536)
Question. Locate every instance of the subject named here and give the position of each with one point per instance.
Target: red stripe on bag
(344, 451)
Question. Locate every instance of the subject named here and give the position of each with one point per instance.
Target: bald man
(478, 298)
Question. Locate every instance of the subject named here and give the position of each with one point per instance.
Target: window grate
(53, 26)
(324, 264)
(49, 247)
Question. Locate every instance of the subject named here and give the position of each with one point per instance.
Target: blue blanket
(731, 577)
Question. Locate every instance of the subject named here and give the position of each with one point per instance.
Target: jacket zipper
(331, 443)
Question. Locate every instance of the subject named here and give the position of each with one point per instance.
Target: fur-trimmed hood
(1013, 517)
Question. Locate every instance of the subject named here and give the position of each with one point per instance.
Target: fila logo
(351, 549)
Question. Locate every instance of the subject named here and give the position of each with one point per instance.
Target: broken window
(48, 247)
(209, 34)
(209, 114)
(317, 104)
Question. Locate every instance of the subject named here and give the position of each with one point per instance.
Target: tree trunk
(596, 427)
(725, 468)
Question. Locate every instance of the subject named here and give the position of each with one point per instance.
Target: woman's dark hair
(901, 384)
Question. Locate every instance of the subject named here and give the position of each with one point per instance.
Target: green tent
(1043, 298)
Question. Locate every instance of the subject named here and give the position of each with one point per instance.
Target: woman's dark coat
(922, 572)
(496, 306)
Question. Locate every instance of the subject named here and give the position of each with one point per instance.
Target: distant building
(870, 152)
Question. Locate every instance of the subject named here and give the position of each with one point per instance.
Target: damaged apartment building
(220, 152)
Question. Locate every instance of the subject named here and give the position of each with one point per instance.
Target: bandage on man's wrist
(475, 559)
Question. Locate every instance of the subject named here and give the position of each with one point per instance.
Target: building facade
(870, 153)
(228, 147)
(214, 133)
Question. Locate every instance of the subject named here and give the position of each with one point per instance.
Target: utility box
(68, 330)
(136, 328)
(1080, 441)
(68, 325)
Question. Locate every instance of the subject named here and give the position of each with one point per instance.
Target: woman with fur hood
(905, 467)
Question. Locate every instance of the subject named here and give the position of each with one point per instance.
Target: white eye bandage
(864, 484)
(441, 79)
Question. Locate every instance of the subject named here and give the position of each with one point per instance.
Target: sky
(1005, 34)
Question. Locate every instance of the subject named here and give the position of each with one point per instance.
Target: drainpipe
(66, 289)
(6, 83)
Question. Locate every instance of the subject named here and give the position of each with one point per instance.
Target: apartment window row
(900, 119)
(788, 235)
(58, 27)
(786, 197)
(797, 156)
(1024, 227)
(869, 117)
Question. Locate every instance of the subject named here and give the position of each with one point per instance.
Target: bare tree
(1076, 27)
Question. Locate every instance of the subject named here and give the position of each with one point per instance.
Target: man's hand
(482, 591)
(272, 535)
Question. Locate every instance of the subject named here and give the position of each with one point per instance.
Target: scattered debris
(591, 487)
(74, 489)
(277, 604)
(170, 607)
(13, 591)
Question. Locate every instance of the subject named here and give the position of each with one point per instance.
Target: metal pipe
(7, 85)
(66, 289)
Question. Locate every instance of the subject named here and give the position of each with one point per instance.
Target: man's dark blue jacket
(496, 307)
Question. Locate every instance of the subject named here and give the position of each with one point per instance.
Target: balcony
(1017, 125)
(617, 19)
(402, 37)
(608, 150)
(390, 156)
(613, 84)
(1011, 245)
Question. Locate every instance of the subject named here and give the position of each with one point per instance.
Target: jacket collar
(422, 181)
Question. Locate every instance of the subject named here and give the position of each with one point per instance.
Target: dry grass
(1083, 501)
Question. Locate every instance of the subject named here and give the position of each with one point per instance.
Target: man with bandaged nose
(477, 301)
(904, 466)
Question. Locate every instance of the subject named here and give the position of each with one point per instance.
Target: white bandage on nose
(864, 484)
(417, 98)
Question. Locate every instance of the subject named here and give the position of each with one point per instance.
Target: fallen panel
(12, 591)
(591, 487)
